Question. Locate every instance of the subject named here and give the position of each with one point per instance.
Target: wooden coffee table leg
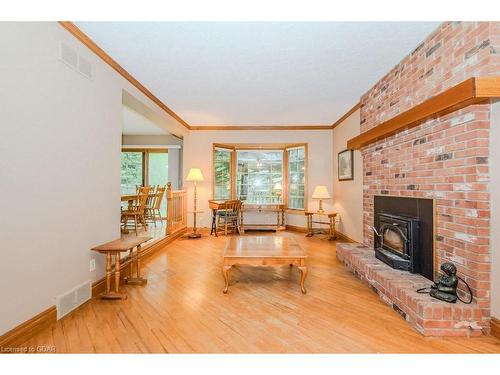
(303, 271)
(225, 273)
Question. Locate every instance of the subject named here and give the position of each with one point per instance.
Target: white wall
(60, 141)
(198, 153)
(495, 209)
(348, 195)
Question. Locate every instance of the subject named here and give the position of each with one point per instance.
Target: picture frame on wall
(345, 165)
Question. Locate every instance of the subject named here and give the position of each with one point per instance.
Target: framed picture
(346, 165)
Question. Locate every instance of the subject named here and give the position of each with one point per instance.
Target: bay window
(296, 177)
(257, 174)
(222, 173)
(260, 174)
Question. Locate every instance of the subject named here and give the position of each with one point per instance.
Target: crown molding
(346, 115)
(261, 127)
(87, 41)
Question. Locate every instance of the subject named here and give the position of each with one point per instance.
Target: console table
(114, 248)
(331, 223)
(278, 208)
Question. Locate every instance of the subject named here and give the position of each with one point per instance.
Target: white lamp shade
(277, 186)
(320, 192)
(195, 175)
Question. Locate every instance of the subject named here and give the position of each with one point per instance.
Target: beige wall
(167, 141)
(198, 153)
(60, 141)
(495, 209)
(348, 195)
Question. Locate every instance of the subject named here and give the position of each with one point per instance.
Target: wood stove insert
(404, 233)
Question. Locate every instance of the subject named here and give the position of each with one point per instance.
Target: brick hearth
(398, 289)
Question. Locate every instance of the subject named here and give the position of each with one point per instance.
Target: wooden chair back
(151, 198)
(142, 199)
(160, 190)
(232, 207)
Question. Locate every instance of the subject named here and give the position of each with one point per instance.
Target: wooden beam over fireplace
(471, 91)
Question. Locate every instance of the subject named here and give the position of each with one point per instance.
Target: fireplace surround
(444, 157)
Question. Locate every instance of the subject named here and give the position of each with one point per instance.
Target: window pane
(158, 174)
(256, 175)
(296, 179)
(131, 172)
(222, 165)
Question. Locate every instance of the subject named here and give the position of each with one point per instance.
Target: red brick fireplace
(444, 159)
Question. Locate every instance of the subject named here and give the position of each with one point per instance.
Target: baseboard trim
(340, 235)
(294, 228)
(24, 331)
(344, 237)
(99, 286)
(495, 327)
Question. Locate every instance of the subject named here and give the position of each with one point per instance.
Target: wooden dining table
(131, 198)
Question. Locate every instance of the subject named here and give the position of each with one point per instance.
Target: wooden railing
(176, 210)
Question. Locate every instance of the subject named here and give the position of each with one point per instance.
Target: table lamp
(320, 192)
(194, 176)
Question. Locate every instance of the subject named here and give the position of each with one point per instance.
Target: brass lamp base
(320, 208)
(194, 235)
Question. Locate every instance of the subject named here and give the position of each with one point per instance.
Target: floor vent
(72, 299)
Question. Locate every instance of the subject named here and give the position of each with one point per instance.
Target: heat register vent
(84, 67)
(72, 299)
(75, 61)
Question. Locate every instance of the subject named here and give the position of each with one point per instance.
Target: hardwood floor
(182, 310)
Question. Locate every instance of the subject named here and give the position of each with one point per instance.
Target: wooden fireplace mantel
(471, 91)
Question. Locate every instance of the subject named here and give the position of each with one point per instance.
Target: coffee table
(263, 251)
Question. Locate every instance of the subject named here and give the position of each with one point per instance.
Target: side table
(331, 223)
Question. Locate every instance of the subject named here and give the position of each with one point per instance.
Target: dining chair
(154, 209)
(137, 212)
(229, 217)
(151, 198)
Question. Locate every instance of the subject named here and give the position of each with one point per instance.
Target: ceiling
(136, 124)
(258, 73)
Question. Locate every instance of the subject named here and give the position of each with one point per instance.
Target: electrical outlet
(92, 264)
